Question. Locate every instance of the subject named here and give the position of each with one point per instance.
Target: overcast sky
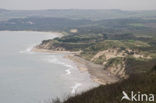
(79, 4)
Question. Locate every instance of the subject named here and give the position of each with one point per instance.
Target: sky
(78, 4)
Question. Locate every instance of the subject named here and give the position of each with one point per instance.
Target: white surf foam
(28, 50)
(75, 88)
(68, 71)
(55, 60)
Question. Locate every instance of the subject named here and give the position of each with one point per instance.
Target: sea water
(30, 77)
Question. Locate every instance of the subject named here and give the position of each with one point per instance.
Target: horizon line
(75, 9)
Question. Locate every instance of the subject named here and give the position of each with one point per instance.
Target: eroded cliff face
(46, 44)
(114, 60)
(117, 67)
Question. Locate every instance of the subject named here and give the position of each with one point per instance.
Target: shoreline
(95, 71)
(34, 49)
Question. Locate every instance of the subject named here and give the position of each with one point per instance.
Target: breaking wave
(56, 60)
(28, 50)
(75, 88)
(68, 71)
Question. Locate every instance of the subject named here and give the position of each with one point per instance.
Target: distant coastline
(59, 34)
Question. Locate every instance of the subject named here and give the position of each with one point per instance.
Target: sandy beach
(97, 73)
(51, 51)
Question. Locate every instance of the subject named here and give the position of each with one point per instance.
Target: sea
(36, 77)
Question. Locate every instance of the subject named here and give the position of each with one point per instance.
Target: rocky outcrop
(117, 67)
(49, 44)
(46, 44)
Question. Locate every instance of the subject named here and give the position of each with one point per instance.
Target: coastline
(96, 72)
(34, 49)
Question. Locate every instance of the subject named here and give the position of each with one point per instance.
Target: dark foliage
(142, 82)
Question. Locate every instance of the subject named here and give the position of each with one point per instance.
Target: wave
(68, 71)
(75, 88)
(56, 60)
(28, 50)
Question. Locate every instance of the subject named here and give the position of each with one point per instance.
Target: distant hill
(77, 14)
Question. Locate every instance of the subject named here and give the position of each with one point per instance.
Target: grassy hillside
(119, 45)
(83, 26)
(123, 47)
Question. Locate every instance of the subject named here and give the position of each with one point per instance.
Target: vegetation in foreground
(112, 93)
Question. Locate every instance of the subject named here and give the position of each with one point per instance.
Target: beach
(96, 72)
